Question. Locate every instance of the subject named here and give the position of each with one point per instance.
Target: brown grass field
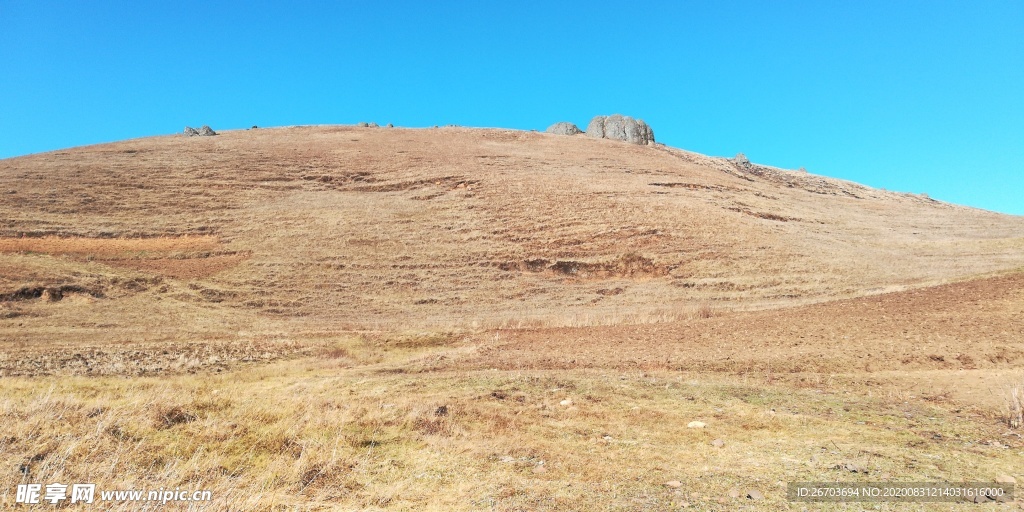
(342, 318)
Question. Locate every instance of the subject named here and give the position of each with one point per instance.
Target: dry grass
(355, 228)
(1015, 405)
(705, 311)
(107, 246)
(308, 434)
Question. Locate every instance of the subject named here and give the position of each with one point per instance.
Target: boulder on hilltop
(741, 160)
(204, 131)
(564, 128)
(619, 127)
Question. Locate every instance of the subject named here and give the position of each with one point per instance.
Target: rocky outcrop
(204, 131)
(564, 128)
(619, 127)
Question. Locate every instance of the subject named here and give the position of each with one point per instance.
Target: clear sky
(916, 96)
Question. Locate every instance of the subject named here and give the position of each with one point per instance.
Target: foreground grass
(332, 433)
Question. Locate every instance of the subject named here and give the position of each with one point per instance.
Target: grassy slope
(356, 227)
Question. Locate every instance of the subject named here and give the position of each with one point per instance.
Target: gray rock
(363, 125)
(205, 131)
(619, 127)
(373, 125)
(741, 160)
(389, 125)
(754, 494)
(564, 128)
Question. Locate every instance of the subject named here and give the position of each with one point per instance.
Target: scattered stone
(254, 127)
(619, 127)
(675, 484)
(696, 424)
(851, 467)
(734, 493)
(566, 402)
(1005, 479)
(389, 125)
(718, 443)
(564, 128)
(741, 160)
(540, 470)
(975, 499)
(191, 132)
(362, 125)
(754, 494)
(372, 125)
(441, 411)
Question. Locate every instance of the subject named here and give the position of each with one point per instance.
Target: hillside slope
(373, 227)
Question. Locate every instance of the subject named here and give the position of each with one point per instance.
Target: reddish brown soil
(185, 268)
(107, 246)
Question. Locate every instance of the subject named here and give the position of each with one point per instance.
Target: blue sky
(916, 96)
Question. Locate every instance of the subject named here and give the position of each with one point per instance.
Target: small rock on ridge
(205, 131)
(564, 128)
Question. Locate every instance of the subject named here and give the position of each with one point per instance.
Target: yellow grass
(316, 435)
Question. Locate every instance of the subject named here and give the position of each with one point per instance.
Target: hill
(452, 319)
(458, 227)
